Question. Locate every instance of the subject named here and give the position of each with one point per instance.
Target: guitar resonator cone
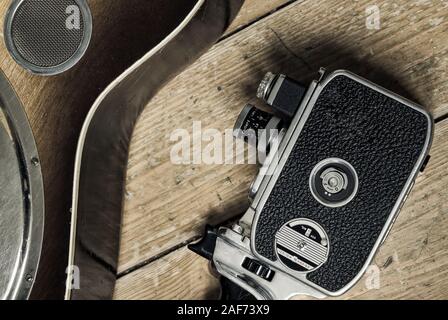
(21, 199)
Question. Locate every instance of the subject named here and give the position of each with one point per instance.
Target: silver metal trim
(274, 92)
(268, 138)
(242, 117)
(29, 255)
(48, 71)
(285, 141)
(282, 286)
(293, 134)
(265, 85)
(264, 170)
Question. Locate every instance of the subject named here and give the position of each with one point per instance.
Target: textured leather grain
(382, 138)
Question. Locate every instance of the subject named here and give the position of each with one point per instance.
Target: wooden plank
(253, 10)
(169, 204)
(412, 263)
(179, 275)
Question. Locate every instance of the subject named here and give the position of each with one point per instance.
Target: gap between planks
(271, 7)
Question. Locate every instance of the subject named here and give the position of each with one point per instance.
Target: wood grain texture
(167, 204)
(411, 264)
(252, 10)
(179, 275)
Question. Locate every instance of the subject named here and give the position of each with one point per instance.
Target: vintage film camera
(348, 157)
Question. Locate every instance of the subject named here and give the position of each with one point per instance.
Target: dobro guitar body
(82, 113)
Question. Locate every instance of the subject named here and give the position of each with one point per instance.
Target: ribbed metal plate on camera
(48, 37)
(302, 245)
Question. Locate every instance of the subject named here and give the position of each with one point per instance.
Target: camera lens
(334, 182)
(258, 128)
(250, 123)
(266, 86)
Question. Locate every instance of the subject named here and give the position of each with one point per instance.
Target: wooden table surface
(168, 205)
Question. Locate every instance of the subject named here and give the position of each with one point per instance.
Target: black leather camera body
(347, 156)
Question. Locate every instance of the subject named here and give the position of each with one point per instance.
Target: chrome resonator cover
(21, 198)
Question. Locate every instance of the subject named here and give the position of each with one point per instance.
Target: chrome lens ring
(334, 182)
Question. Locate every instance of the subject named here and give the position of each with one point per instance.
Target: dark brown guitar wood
(57, 106)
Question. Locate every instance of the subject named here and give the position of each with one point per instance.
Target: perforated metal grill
(40, 34)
